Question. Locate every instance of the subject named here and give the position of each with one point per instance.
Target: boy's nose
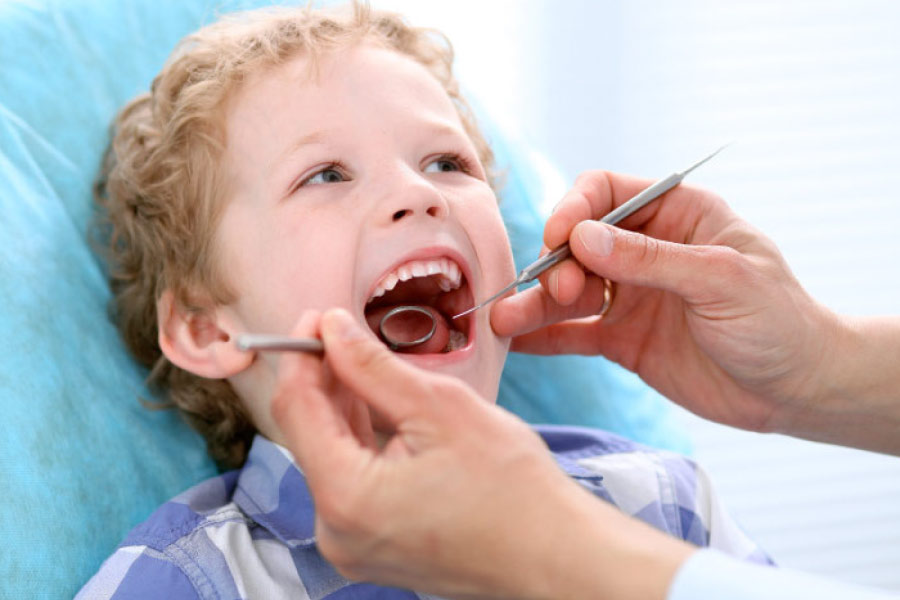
(411, 198)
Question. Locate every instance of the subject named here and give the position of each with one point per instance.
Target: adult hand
(463, 500)
(706, 310)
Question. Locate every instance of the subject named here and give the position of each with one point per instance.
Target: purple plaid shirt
(249, 533)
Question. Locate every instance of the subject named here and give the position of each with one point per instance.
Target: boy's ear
(198, 341)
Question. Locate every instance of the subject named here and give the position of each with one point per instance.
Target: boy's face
(344, 182)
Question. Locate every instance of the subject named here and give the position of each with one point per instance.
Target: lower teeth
(457, 341)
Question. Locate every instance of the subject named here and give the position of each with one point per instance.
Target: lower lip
(444, 358)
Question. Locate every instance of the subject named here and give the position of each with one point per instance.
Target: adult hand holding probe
(623, 211)
(708, 312)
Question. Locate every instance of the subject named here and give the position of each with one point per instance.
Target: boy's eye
(328, 175)
(446, 164)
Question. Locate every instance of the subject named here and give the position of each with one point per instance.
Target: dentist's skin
(707, 312)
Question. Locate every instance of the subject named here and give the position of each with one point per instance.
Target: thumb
(634, 258)
(394, 387)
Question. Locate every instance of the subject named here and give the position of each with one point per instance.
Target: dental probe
(284, 343)
(279, 343)
(532, 271)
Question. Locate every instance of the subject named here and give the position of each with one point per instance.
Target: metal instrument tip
(489, 300)
(465, 312)
(703, 160)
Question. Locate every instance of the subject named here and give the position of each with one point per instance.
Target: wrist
(856, 398)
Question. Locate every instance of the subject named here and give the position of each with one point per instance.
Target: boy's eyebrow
(310, 138)
(442, 128)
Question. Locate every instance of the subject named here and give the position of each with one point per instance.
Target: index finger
(394, 387)
(534, 309)
(594, 194)
(316, 432)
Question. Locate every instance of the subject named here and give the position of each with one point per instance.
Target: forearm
(858, 398)
(599, 552)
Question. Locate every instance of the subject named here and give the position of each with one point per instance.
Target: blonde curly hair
(159, 194)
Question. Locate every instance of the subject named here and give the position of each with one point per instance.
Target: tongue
(408, 326)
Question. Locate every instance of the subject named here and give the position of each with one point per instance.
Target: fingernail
(597, 238)
(553, 282)
(341, 324)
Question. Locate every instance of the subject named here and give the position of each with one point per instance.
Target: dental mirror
(406, 322)
(405, 326)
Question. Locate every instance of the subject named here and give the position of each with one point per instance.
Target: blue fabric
(253, 530)
(148, 575)
(81, 460)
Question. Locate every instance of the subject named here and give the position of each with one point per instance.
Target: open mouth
(437, 285)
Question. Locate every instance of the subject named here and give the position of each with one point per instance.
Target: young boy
(303, 159)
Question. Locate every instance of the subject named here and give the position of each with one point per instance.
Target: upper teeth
(450, 275)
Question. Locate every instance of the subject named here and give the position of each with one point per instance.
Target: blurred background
(809, 91)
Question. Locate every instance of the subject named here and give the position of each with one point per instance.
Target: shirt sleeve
(138, 573)
(711, 575)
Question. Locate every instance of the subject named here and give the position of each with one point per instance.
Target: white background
(810, 93)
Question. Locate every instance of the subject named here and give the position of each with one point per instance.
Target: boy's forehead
(295, 102)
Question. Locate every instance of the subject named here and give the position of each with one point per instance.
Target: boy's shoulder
(589, 448)
(246, 534)
(662, 488)
(634, 477)
(574, 440)
(223, 533)
(170, 551)
(209, 502)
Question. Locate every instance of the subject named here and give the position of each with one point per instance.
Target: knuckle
(337, 510)
(648, 250)
(708, 201)
(596, 184)
(729, 266)
(341, 555)
(371, 356)
(343, 531)
(443, 393)
(351, 570)
(554, 341)
(715, 203)
(591, 192)
(591, 177)
(345, 523)
(280, 403)
(446, 388)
